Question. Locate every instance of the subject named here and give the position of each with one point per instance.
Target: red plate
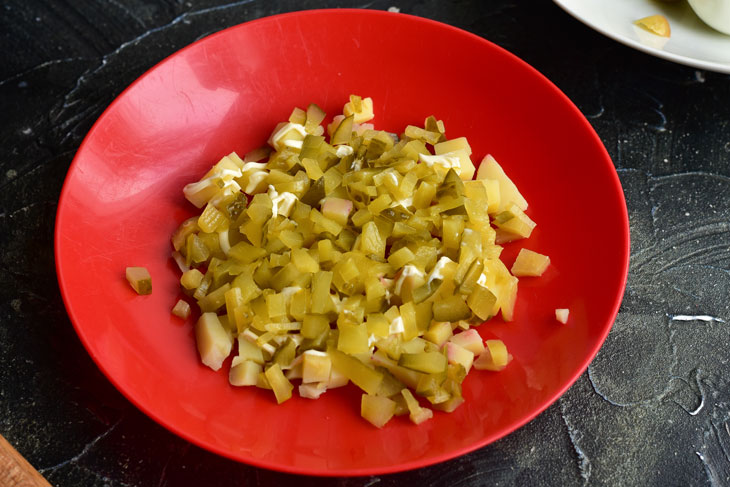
(123, 198)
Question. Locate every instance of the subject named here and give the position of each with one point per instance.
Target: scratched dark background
(653, 407)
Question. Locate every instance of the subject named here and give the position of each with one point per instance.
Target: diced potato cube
(312, 391)
(181, 309)
(561, 314)
(337, 379)
(451, 145)
(509, 195)
(213, 341)
(316, 366)
(457, 354)
(495, 356)
(470, 340)
(244, 372)
(248, 350)
(508, 298)
(529, 263)
(513, 224)
(439, 332)
(337, 209)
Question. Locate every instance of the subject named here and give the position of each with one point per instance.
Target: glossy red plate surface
(123, 198)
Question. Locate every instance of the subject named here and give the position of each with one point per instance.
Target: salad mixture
(341, 253)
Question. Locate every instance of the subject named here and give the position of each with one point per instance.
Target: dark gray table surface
(653, 407)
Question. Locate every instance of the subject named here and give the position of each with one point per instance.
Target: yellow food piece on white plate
(656, 24)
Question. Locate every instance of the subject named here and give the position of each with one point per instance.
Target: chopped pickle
(429, 384)
(191, 279)
(361, 109)
(360, 374)
(298, 116)
(180, 236)
(439, 332)
(481, 301)
(494, 357)
(427, 362)
(181, 309)
(390, 386)
(316, 366)
(315, 116)
(418, 414)
(377, 409)
(353, 338)
(279, 384)
(314, 326)
(343, 132)
(365, 257)
(140, 280)
(452, 308)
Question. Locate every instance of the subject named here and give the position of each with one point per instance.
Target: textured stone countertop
(653, 407)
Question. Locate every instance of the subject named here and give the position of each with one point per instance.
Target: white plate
(692, 42)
